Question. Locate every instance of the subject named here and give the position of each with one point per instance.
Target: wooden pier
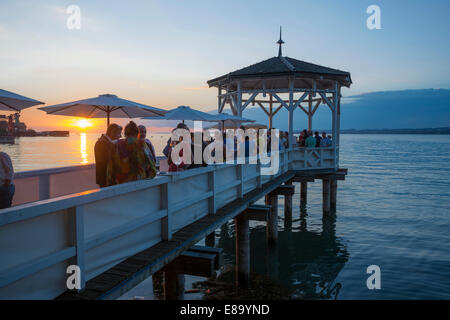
(120, 235)
(166, 255)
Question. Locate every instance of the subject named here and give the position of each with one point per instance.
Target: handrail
(75, 206)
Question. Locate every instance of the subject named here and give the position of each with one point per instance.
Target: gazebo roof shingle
(284, 66)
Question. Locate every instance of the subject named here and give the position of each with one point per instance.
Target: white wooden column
(239, 99)
(334, 121)
(310, 113)
(338, 124)
(291, 113)
(219, 88)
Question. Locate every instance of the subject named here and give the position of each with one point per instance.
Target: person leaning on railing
(130, 160)
(7, 187)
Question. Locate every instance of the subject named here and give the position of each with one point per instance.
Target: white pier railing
(98, 228)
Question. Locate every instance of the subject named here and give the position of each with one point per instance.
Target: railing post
(76, 230)
(166, 222)
(44, 187)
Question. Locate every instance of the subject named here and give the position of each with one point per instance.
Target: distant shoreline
(444, 130)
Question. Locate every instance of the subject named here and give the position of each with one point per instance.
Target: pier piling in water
(173, 285)
(272, 223)
(242, 250)
(333, 194)
(210, 240)
(288, 207)
(303, 191)
(326, 196)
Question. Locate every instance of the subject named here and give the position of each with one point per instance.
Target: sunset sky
(161, 53)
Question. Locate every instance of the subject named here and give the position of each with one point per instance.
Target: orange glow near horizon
(83, 123)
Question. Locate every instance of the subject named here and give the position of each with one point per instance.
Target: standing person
(302, 138)
(7, 187)
(102, 150)
(142, 136)
(318, 139)
(325, 142)
(167, 148)
(130, 162)
(310, 142)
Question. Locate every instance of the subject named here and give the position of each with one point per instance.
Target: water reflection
(306, 262)
(83, 148)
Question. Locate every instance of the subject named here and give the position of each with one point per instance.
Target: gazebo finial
(280, 42)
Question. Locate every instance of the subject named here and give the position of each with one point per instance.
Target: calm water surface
(393, 211)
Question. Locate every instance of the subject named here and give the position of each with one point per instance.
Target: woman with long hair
(130, 160)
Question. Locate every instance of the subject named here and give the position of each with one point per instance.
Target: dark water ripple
(393, 211)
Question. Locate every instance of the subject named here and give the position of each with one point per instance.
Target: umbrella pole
(107, 119)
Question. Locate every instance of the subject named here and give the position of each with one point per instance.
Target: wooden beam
(247, 102)
(334, 176)
(285, 101)
(278, 109)
(217, 252)
(258, 212)
(303, 178)
(281, 101)
(193, 263)
(300, 100)
(328, 102)
(284, 190)
(264, 109)
(315, 107)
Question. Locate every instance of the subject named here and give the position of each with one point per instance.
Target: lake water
(393, 211)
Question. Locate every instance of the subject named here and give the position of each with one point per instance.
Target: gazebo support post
(291, 113)
(310, 113)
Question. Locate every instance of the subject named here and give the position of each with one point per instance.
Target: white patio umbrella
(10, 101)
(185, 113)
(234, 125)
(230, 121)
(104, 106)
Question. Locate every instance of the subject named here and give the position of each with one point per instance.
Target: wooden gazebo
(304, 85)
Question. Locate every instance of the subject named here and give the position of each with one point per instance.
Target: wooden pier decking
(121, 278)
(120, 235)
(129, 273)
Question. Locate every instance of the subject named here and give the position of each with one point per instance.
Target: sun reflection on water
(83, 149)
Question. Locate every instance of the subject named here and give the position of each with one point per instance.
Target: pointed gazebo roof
(283, 67)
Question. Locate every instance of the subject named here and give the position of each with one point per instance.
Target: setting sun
(83, 123)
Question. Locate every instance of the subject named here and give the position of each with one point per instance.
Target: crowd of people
(133, 157)
(309, 140)
(122, 160)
